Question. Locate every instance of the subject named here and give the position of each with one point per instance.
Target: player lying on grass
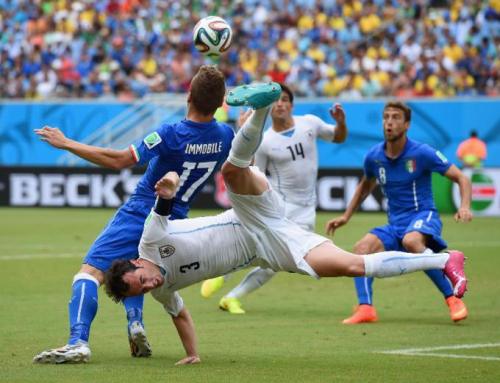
(175, 254)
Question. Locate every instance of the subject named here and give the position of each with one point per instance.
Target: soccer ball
(212, 36)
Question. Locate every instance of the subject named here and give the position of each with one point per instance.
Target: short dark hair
(473, 133)
(401, 106)
(116, 287)
(208, 88)
(288, 91)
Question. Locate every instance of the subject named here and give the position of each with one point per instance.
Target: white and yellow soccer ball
(212, 36)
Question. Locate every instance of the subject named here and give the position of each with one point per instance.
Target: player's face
(395, 126)
(142, 280)
(282, 108)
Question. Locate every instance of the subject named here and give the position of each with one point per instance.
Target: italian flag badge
(411, 166)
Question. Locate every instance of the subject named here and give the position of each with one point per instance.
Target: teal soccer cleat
(256, 96)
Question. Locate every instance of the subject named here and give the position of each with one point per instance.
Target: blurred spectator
(472, 152)
(355, 48)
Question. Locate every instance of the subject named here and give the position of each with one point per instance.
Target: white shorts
(281, 243)
(304, 216)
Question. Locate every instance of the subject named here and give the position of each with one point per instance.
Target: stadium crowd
(344, 48)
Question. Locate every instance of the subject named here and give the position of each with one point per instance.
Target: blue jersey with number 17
(406, 180)
(193, 150)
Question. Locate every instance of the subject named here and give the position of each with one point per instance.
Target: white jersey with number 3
(192, 250)
(291, 158)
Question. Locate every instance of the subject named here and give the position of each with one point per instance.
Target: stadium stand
(344, 48)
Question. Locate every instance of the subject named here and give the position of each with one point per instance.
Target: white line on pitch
(455, 356)
(427, 351)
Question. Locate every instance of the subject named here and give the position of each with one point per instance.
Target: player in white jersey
(175, 254)
(288, 155)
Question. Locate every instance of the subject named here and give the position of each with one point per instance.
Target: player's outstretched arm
(108, 158)
(364, 188)
(463, 214)
(185, 328)
(338, 114)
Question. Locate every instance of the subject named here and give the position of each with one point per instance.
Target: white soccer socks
(391, 263)
(248, 139)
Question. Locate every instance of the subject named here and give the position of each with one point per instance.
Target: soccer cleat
(454, 270)
(231, 305)
(362, 314)
(139, 345)
(257, 95)
(211, 286)
(458, 310)
(71, 353)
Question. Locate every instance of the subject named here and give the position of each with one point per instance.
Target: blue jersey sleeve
(435, 160)
(151, 146)
(368, 167)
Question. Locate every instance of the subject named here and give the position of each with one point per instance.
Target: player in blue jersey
(403, 168)
(176, 254)
(193, 148)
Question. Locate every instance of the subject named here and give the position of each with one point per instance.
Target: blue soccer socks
(82, 307)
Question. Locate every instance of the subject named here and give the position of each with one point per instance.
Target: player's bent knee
(361, 247)
(92, 273)
(413, 242)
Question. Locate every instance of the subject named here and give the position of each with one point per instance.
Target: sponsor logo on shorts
(166, 251)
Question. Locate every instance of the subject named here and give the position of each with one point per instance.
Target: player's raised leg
(237, 175)
(327, 260)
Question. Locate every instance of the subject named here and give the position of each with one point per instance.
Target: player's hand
(335, 223)
(243, 117)
(463, 215)
(189, 360)
(53, 136)
(338, 114)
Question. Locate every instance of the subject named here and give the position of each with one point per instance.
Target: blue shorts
(425, 222)
(120, 238)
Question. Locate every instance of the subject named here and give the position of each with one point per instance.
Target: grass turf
(291, 332)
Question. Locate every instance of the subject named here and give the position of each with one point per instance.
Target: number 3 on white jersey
(188, 166)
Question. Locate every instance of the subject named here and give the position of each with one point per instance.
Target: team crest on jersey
(166, 251)
(152, 140)
(411, 166)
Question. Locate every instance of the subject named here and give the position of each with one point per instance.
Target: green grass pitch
(291, 332)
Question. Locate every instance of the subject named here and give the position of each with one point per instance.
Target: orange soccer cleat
(458, 310)
(362, 314)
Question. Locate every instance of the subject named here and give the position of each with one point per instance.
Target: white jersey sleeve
(322, 129)
(172, 301)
